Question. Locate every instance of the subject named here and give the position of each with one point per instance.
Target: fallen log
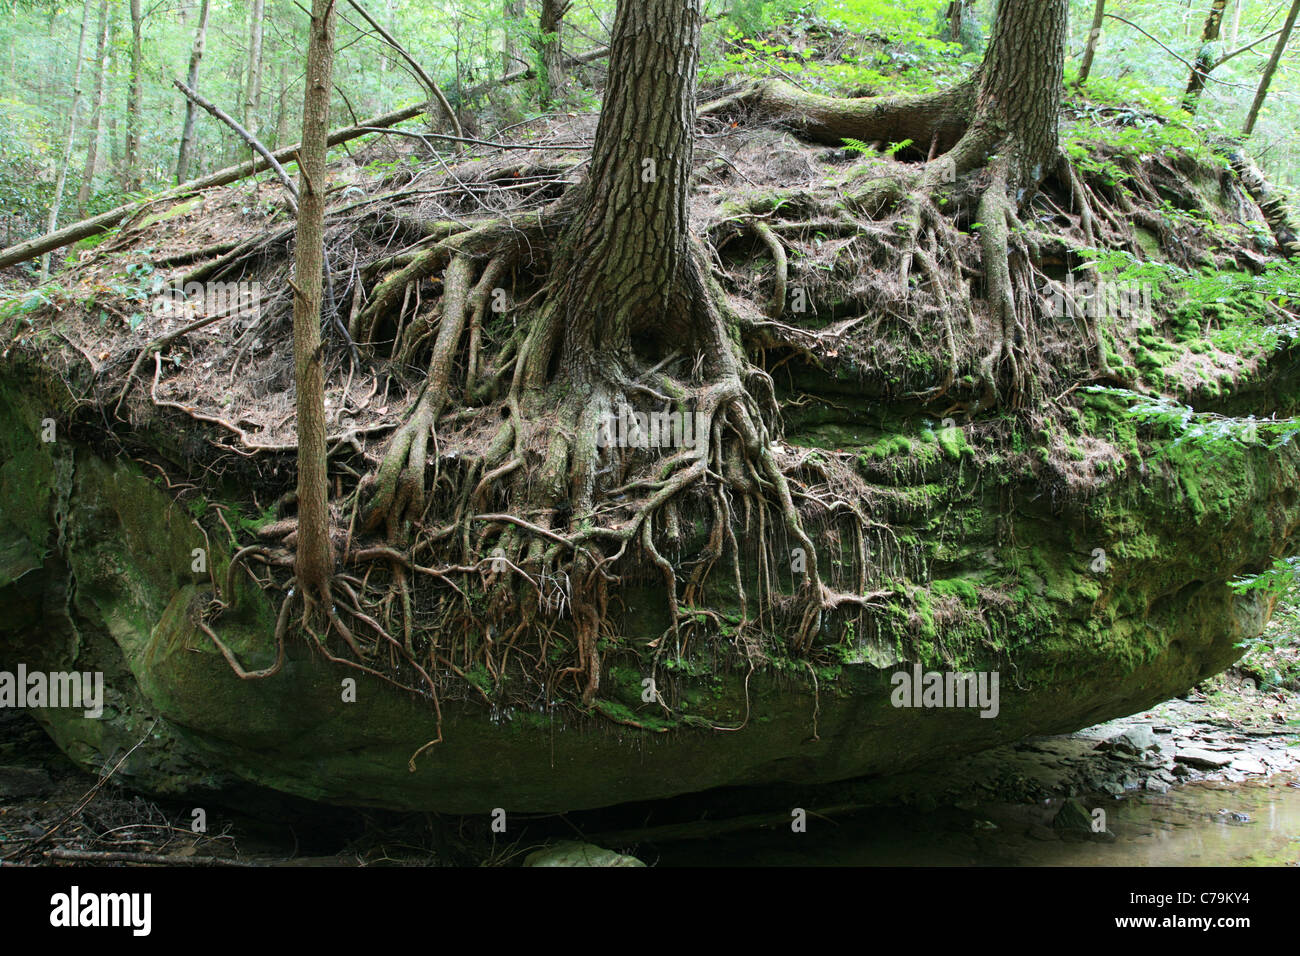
(30, 249)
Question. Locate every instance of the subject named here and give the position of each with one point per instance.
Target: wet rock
(1156, 785)
(1249, 764)
(1205, 759)
(572, 853)
(1073, 815)
(24, 782)
(1233, 816)
(1136, 740)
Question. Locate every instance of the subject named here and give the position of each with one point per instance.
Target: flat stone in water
(1198, 757)
(1249, 764)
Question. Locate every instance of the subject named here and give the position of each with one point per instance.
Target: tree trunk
(1267, 80)
(1094, 36)
(630, 243)
(62, 179)
(283, 131)
(135, 94)
(314, 563)
(253, 91)
(96, 112)
(192, 81)
(550, 40)
(1018, 104)
(956, 13)
(513, 13)
(1205, 58)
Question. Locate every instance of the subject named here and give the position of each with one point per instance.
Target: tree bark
(62, 179)
(135, 94)
(282, 128)
(1094, 36)
(96, 112)
(253, 90)
(1267, 80)
(1020, 87)
(192, 81)
(512, 12)
(550, 41)
(956, 13)
(1205, 59)
(314, 561)
(629, 245)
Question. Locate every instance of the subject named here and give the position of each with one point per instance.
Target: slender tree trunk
(253, 91)
(283, 132)
(314, 563)
(1267, 80)
(956, 14)
(192, 81)
(630, 242)
(135, 94)
(62, 179)
(1094, 36)
(550, 40)
(96, 112)
(513, 13)
(1205, 58)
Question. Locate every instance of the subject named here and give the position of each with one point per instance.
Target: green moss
(958, 588)
(953, 442)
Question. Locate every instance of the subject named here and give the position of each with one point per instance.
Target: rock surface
(96, 573)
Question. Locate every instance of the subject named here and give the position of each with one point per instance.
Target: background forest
(126, 118)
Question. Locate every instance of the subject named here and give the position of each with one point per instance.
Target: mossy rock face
(96, 573)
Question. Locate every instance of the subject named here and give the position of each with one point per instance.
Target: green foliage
(1281, 578)
(1203, 432)
(749, 18)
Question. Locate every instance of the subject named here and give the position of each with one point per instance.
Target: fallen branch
(31, 248)
(150, 859)
(247, 137)
(414, 64)
(527, 73)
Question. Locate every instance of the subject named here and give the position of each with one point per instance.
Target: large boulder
(1088, 604)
